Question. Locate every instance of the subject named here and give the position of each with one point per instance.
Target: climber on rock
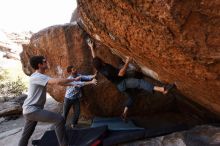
(117, 76)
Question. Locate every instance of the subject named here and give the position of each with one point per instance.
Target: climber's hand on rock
(90, 43)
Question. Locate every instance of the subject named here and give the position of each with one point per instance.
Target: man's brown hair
(69, 68)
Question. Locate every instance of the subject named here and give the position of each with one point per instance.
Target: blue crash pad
(114, 124)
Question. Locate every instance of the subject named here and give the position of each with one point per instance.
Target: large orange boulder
(173, 41)
(170, 41)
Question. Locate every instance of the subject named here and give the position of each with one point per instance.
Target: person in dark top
(118, 77)
(109, 71)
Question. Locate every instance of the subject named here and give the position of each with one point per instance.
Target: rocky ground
(204, 135)
(12, 128)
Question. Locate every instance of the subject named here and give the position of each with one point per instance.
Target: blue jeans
(133, 83)
(75, 103)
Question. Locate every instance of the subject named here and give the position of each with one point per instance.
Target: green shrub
(10, 88)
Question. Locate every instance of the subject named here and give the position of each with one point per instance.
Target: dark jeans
(132, 83)
(75, 103)
(43, 116)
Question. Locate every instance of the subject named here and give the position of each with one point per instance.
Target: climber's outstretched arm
(123, 69)
(91, 45)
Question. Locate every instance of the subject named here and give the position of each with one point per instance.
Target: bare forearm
(94, 82)
(123, 70)
(88, 83)
(93, 52)
(91, 45)
(60, 81)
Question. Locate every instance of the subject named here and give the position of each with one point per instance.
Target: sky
(34, 15)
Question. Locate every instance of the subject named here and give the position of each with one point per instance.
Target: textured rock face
(177, 40)
(62, 46)
(10, 44)
(10, 108)
(201, 135)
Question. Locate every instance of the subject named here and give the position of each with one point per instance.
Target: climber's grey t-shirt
(36, 93)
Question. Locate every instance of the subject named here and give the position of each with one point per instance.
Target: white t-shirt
(36, 93)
